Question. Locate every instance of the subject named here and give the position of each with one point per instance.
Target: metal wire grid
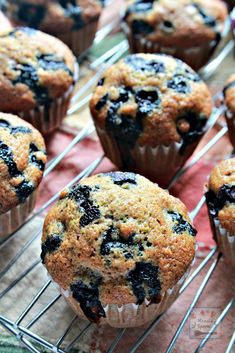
(24, 333)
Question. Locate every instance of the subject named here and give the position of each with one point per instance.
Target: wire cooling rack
(22, 326)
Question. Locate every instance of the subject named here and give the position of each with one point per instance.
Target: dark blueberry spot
(101, 82)
(128, 256)
(167, 26)
(141, 64)
(141, 27)
(196, 124)
(208, 20)
(179, 84)
(228, 86)
(181, 225)
(20, 130)
(112, 239)
(4, 124)
(24, 190)
(120, 178)
(52, 62)
(139, 6)
(145, 282)
(72, 10)
(32, 15)
(33, 159)
(102, 102)
(92, 213)
(147, 101)
(192, 76)
(81, 194)
(29, 77)
(124, 128)
(7, 156)
(217, 202)
(51, 244)
(88, 297)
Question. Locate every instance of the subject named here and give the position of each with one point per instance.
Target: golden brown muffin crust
(185, 23)
(229, 93)
(152, 99)
(109, 228)
(222, 193)
(34, 68)
(53, 16)
(22, 160)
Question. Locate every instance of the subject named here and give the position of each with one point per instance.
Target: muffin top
(22, 160)
(53, 16)
(221, 194)
(185, 22)
(34, 68)
(151, 99)
(229, 93)
(118, 237)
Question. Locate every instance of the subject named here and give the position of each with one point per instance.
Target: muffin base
(80, 40)
(156, 163)
(14, 218)
(225, 241)
(195, 57)
(230, 119)
(131, 315)
(55, 114)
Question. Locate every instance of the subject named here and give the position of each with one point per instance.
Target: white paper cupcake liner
(56, 112)
(14, 218)
(226, 242)
(196, 56)
(230, 119)
(131, 315)
(80, 40)
(157, 163)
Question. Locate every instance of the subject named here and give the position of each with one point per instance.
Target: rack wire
(24, 331)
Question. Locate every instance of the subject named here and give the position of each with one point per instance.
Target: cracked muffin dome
(73, 21)
(147, 101)
(229, 99)
(187, 29)
(116, 238)
(221, 194)
(34, 69)
(22, 161)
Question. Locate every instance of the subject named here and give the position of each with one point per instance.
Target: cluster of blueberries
(143, 278)
(25, 188)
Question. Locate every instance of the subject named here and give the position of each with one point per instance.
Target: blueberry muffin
(119, 248)
(189, 30)
(229, 98)
(37, 74)
(220, 199)
(22, 162)
(73, 21)
(150, 112)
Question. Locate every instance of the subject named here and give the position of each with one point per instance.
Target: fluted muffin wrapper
(54, 114)
(230, 119)
(81, 39)
(195, 56)
(158, 163)
(225, 241)
(131, 315)
(11, 220)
